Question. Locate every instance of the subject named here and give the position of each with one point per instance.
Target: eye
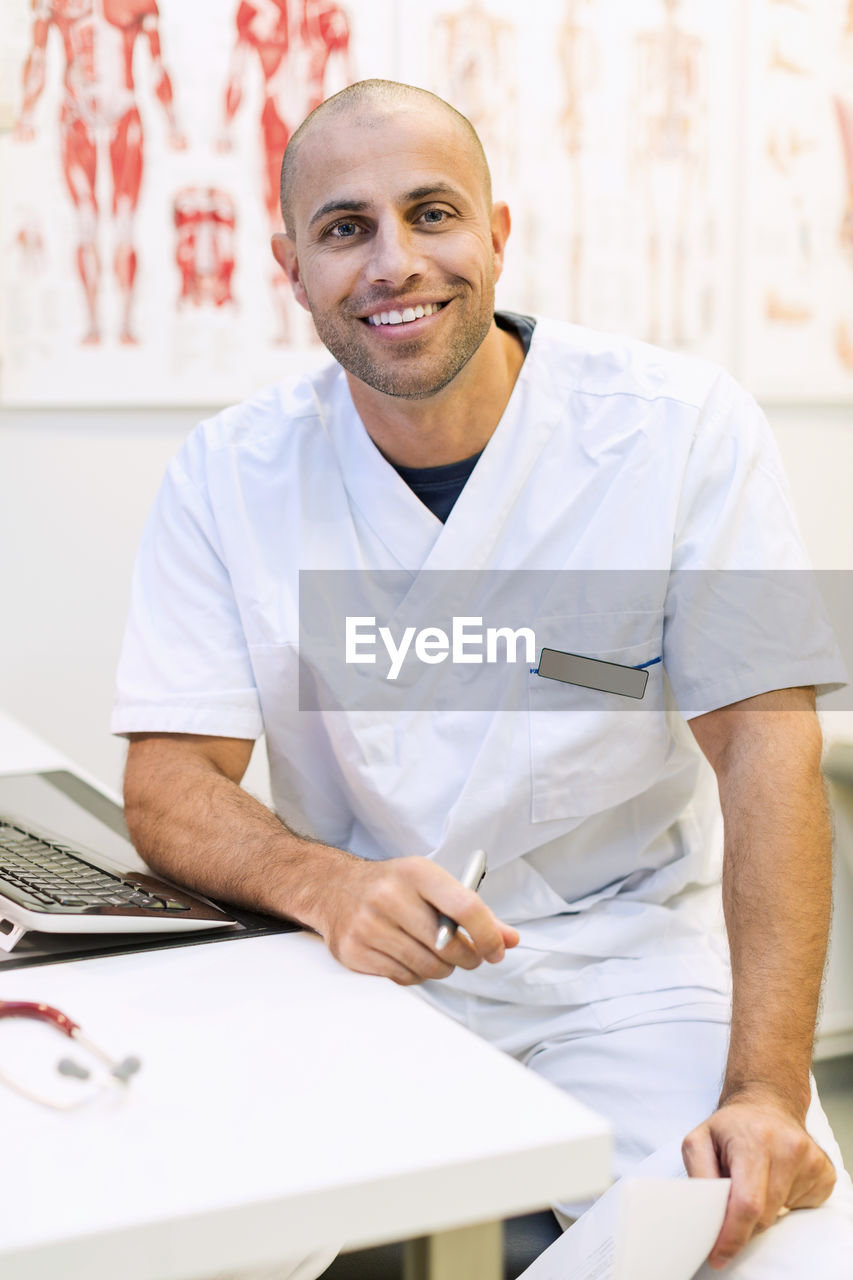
(342, 230)
(435, 217)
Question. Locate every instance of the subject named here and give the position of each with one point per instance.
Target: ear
(501, 226)
(284, 252)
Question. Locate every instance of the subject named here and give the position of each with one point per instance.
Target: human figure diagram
(99, 108)
(578, 56)
(300, 45)
(474, 61)
(669, 160)
(844, 117)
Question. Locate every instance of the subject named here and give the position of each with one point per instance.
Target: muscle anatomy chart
(98, 103)
(676, 170)
(302, 50)
(204, 249)
(144, 164)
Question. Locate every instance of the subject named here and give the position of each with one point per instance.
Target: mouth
(404, 316)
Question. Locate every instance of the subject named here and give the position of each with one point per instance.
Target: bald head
(370, 103)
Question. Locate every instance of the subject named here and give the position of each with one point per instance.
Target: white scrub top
(601, 823)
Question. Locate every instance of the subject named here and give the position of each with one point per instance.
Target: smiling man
(445, 437)
(397, 260)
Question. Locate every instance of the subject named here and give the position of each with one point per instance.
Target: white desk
(284, 1103)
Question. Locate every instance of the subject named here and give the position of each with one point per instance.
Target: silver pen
(471, 878)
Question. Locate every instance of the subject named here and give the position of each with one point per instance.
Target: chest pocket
(591, 750)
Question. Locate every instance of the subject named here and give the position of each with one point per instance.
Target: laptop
(67, 866)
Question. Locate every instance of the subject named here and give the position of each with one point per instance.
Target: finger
(699, 1154)
(470, 958)
(778, 1190)
(445, 894)
(417, 956)
(482, 927)
(791, 1153)
(815, 1184)
(802, 1176)
(385, 966)
(399, 921)
(459, 951)
(395, 907)
(747, 1198)
(374, 936)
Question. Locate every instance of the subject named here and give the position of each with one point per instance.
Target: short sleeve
(184, 665)
(743, 612)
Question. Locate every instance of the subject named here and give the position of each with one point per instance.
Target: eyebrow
(341, 204)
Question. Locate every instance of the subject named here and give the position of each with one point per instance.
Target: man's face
(393, 248)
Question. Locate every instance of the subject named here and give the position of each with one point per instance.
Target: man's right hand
(191, 820)
(382, 918)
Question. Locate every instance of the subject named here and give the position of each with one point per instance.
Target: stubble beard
(399, 374)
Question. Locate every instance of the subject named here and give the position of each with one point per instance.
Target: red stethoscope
(113, 1072)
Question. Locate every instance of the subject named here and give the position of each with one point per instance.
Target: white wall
(75, 488)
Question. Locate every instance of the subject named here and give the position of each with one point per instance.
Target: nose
(395, 255)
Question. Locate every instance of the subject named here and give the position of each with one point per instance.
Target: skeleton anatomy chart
(675, 170)
(798, 339)
(598, 117)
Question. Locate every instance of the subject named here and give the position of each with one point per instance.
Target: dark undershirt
(439, 487)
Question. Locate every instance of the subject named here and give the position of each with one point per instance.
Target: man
(558, 450)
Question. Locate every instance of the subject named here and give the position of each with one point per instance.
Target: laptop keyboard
(53, 875)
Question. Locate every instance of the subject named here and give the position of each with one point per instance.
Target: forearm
(777, 888)
(192, 823)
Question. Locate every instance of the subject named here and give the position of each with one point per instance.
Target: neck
(457, 421)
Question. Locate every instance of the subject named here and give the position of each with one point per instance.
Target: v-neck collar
(415, 537)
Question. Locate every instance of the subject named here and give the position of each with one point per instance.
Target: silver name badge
(592, 673)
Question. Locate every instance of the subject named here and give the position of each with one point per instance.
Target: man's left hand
(757, 1139)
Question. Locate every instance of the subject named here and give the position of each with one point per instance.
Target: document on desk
(656, 1225)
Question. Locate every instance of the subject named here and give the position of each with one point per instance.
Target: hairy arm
(777, 888)
(191, 820)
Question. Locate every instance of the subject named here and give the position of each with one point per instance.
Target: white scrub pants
(653, 1065)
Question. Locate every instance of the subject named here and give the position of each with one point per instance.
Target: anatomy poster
(609, 124)
(798, 259)
(140, 188)
(676, 170)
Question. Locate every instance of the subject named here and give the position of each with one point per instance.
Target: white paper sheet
(656, 1225)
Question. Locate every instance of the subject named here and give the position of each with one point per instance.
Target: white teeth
(406, 316)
